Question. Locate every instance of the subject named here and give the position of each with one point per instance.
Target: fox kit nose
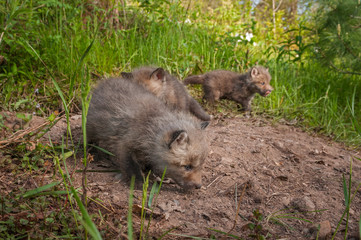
(198, 185)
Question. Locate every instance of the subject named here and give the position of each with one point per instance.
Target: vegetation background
(53, 51)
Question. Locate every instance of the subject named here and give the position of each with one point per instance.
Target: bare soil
(272, 176)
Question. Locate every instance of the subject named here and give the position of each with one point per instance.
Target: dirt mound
(275, 171)
(271, 175)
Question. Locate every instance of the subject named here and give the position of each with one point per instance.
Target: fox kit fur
(168, 88)
(144, 134)
(222, 84)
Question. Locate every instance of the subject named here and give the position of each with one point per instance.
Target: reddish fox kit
(222, 84)
(168, 88)
(144, 134)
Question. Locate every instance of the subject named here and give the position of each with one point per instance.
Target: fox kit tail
(196, 79)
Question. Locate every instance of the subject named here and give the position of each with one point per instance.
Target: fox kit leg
(210, 94)
(197, 110)
(246, 106)
(245, 102)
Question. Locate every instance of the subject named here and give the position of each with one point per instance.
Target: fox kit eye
(188, 167)
(263, 83)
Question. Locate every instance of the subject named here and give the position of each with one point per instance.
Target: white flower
(187, 20)
(36, 91)
(255, 44)
(38, 105)
(249, 36)
(242, 37)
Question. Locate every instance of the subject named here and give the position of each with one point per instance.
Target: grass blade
(50, 193)
(86, 52)
(166, 233)
(348, 200)
(40, 189)
(345, 191)
(155, 199)
(130, 208)
(152, 193)
(101, 149)
(87, 222)
(187, 236)
(224, 233)
(359, 227)
(144, 199)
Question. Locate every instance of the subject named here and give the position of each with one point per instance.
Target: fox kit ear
(158, 74)
(254, 72)
(204, 124)
(127, 75)
(179, 139)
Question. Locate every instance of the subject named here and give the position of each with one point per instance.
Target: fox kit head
(185, 155)
(261, 80)
(153, 80)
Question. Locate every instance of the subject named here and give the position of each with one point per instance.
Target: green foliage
(314, 97)
(36, 213)
(339, 32)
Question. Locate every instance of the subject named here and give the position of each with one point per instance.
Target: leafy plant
(338, 28)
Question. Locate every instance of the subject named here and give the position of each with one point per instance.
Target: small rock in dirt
(170, 207)
(226, 160)
(285, 201)
(282, 178)
(281, 147)
(75, 117)
(255, 192)
(206, 217)
(325, 230)
(226, 141)
(116, 199)
(321, 231)
(163, 206)
(257, 199)
(255, 151)
(303, 204)
(315, 152)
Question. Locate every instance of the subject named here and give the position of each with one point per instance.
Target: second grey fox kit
(222, 84)
(168, 88)
(144, 134)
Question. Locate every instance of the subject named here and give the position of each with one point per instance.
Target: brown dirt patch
(276, 169)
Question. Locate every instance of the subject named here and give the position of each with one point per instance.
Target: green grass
(316, 98)
(313, 95)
